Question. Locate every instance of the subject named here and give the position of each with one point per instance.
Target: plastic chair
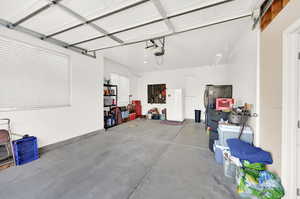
(6, 142)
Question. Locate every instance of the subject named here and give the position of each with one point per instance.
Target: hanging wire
(152, 45)
(159, 60)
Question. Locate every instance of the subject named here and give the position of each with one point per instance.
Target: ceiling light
(219, 55)
(218, 59)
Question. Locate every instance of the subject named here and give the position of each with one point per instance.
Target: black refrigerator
(212, 116)
(212, 92)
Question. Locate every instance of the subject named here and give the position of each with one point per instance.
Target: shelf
(108, 85)
(112, 95)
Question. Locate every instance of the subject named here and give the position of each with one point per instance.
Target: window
(157, 94)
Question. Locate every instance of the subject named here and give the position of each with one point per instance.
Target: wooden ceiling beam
(272, 12)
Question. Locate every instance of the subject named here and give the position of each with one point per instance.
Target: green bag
(256, 183)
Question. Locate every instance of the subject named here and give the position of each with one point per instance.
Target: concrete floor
(137, 160)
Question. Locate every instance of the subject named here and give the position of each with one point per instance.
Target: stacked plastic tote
(225, 132)
(253, 180)
(246, 164)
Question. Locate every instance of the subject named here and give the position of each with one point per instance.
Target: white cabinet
(175, 105)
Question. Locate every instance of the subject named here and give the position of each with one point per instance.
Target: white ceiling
(186, 47)
(191, 49)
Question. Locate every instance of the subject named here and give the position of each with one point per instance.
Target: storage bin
(109, 122)
(156, 116)
(149, 116)
(219, 150)
(230, 168)
(25, 150)
(125, 114)
(108, 101)
(231, 131)
(219, 155)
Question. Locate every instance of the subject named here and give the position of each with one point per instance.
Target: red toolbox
(138, 107)
(224, 104)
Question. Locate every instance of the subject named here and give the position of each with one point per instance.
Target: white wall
(191, 80)
(271, 59)
(86, 111)
(111, 66)
(123, 84)
(242, 70)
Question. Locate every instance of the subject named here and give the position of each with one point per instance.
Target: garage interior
(144, 99)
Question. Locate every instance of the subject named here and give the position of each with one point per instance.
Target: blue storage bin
(125, 114)
(155, 116)
(219, 157)
(25, 150)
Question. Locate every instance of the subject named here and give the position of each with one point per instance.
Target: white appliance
(175, 105)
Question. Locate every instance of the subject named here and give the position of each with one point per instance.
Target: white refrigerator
(175, 105)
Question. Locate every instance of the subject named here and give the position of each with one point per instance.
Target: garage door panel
(51, 20)
(13, 10)
(95, 8)
(209, 15)
(131, 17)
(82, 33)
(145, 32)
(99, 43)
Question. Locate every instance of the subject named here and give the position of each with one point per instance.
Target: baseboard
(51, 147)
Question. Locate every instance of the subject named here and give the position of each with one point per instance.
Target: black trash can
(197, 116)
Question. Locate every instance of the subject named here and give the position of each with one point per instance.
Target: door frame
(290, 108)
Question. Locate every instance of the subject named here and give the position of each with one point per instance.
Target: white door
(298, 137)
(174, 105)
(298, 166)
